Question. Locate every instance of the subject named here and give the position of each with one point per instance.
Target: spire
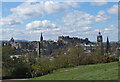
(107, 46)
(107, 41)
(41, 38)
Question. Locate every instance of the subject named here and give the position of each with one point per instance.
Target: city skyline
(26, 20)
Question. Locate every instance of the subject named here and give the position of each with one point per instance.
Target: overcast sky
(26, 20)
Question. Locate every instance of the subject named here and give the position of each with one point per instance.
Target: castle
(48, 47)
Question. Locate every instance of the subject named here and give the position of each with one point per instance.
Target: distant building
(99, 40)
(31, 47)
(67, 39)
(43, 47)
(100, 44)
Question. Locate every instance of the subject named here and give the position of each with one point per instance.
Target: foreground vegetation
(28, 66)
(107, 71)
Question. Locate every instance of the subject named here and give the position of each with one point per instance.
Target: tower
(99, 39)
(100, 44)
(107, 46)
(12, 40)
(41, 44)
(38, 49)
(41, 38)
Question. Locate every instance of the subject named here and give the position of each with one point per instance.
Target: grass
(106, 71)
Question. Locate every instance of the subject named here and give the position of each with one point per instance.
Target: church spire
(107, 46)
(41, 38)
(107, 41)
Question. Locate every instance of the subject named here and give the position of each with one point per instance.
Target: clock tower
(99, 39)
(100, 44)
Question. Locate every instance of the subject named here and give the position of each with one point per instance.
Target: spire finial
(99, 32)
(107, 39)
(41, 33)
(41, 38)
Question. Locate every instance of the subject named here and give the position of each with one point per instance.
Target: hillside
(107, 71)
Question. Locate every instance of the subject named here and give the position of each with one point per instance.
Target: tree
(20, 67)
(7, 62)
(99, 50)
(76, 54)
(59, 52)
(7, 51)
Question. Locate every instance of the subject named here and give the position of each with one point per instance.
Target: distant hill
(15, 41)
(3, 41)
(21, 40)
(114, 42)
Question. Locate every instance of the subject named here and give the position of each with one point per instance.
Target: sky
(26, 20)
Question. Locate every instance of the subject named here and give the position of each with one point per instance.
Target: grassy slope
(107, 71)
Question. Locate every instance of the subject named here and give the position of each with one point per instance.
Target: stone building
(41, 47)
(99, 40)
(67, 39)
(30, 47)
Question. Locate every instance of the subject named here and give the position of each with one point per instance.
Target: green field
(107, 71)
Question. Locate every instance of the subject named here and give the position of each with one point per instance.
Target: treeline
(32, 66)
